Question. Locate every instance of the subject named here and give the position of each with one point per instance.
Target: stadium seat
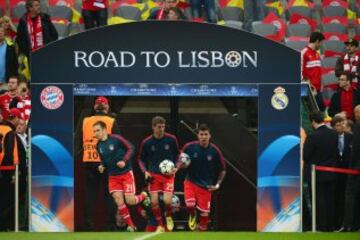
(334, 11)
(187, 12)
(62, 29)
(327, 94)
(333, 45)
(329, 62)
(232, 14)
(128, 12)
(329, 80)
(299, 29)
(18, 11)
(296, 45)
(304, 11)
(75, 28)
(234, 24)
(62, 12)
(334, 28)
(263, 29)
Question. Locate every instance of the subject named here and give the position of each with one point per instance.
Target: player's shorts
(198, 195)
(161, 183)
(122, 183)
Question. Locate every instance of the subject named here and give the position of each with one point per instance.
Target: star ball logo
(52, 97)
(279, 100)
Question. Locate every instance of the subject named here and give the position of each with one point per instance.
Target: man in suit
(344, 146)
(352, 199)
(321, 149)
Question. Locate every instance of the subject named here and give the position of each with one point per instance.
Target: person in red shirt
(349, 63)
(311, 66)
(8, 97)
(95, 13)
(345, 98)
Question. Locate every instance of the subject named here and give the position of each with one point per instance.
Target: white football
(184, 159)
(166, 167)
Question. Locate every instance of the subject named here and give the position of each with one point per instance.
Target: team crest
(153, 148)
(279, 100)
(167, 146)
(209, 157)
(111, 147)
(195, 155)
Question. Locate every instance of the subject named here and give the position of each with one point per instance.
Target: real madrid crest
(279, 100)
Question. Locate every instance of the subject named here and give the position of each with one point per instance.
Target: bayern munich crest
(52, 97)
(279, 100)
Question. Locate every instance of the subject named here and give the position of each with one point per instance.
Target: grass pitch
(179, 236)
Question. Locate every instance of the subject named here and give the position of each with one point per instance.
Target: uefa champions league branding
(163, 59)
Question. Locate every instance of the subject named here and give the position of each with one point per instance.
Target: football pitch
(179, 236)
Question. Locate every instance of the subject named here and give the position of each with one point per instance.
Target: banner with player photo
(174, 63)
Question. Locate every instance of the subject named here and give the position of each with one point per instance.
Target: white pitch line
(148, 236)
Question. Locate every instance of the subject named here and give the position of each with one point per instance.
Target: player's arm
(176, 153)
(222, 172)
(101, 167)
(121, 162)
(142, 159)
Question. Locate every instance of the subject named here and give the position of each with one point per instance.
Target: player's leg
(190, 202)
(168, 189)
(204, 204)
(154, 189)
(116, 190)
(128, 184)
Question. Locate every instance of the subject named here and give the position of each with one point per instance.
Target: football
(175, 201)
(166, 167)
(184, 159)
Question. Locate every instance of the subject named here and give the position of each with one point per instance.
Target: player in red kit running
(204, 175)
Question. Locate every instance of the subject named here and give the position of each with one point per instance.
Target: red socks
(125, 215)
(203, 222)
(157, 214)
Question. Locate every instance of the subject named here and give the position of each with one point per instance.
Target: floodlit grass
(179, 235)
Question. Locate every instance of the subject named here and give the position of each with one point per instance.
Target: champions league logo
(52, 97)
(279, 100)
(163, 59)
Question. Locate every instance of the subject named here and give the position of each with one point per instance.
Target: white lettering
(122, 58)
(217, 59)
(111, 58)
(253, 60)
(93, 57)
(80, 55)
(203, 57)
(167, 59)
(181, 65)
(147, 54)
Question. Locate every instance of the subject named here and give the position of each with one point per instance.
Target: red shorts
(161, 183)
(198, 196)
(122, 183)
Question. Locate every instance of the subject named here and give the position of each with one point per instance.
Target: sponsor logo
(52, 97)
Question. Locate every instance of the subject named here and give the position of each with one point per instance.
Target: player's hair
(14, 77)
(100, 123)
(317, 117)
(203, 127)
(29, 4)
(158, 120)
(347, 75)
(336, 119)
(316, 36)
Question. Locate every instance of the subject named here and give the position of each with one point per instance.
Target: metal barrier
(315, 168)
